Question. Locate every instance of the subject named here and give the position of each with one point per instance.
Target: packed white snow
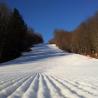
(48, 72)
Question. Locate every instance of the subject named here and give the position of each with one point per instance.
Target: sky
(44, 16)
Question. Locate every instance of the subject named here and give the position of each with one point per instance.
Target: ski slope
(48, 72)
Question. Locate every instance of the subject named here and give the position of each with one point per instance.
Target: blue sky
(47, 15)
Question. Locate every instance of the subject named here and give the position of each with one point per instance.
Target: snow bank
(48, 72)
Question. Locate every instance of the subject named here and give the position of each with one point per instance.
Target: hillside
(48, 72)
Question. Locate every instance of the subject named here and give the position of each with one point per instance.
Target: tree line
(15, 36)
(82, 40)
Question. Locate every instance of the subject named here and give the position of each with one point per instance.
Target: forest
(83, 40)
(15, 36)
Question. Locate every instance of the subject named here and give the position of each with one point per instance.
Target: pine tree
(18, 29)
(15, 36)
(4, 19)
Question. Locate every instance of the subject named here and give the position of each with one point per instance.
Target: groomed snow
(48, 72)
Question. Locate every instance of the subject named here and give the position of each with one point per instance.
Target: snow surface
(48, 72)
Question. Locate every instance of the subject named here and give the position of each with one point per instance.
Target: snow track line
(33, 88)
(56, 89)
(43, 91)
(86, 85)
(10, 89)
(53, 91)
(22, 89)
(74, 90)
(78, 87)
(10, 82)
(65, 89)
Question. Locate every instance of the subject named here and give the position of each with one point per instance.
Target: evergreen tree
(4, 19)
(15, 36)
